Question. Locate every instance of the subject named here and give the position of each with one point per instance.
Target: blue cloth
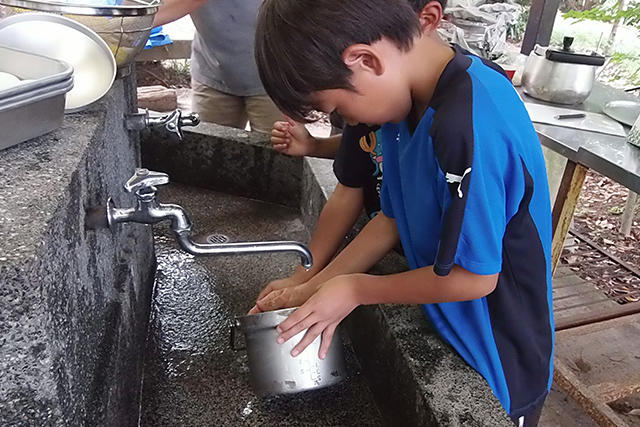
(469, 187)
(157, 38)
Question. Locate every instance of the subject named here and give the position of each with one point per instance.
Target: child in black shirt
(358, 168)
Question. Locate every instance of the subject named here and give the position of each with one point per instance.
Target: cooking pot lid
(567, 55)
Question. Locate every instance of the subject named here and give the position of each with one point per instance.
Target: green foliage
(620, 57)
(630, 16)
(516, 31)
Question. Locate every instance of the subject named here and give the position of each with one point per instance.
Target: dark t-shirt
(358, 163)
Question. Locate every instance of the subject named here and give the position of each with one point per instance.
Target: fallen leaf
(635, 412)
(616, 210)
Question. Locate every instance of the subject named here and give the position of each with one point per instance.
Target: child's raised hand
(321, 314)
(292, 138)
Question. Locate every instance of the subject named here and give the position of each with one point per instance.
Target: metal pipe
(186, 243)
(149, 211)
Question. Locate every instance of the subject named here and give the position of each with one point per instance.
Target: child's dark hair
(418, 5)
(299, 44)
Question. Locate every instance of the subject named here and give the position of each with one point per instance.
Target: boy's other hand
(287, 297)
(321, 314)
(274, 285)
(292, 138)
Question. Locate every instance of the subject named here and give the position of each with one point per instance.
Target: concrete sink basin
(232, 183)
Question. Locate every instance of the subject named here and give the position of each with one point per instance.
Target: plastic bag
(480, 26)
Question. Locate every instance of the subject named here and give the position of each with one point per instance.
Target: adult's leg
(218, 107)
(262, 113)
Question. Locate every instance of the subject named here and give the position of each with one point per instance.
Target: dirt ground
(598, 216)
(170, 74)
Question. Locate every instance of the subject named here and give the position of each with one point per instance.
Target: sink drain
(217, 239)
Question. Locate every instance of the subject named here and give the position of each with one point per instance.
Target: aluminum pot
(272, 368)
(560, 76)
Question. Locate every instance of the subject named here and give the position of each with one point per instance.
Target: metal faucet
(172, 122)
(148, 211)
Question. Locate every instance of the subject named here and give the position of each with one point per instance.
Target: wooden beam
(565, 206)
(179, 49)
(629, 212)
(579, 392)
(542, 16)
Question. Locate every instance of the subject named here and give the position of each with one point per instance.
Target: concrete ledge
(417, 379)
(225, 159)
(74, 303)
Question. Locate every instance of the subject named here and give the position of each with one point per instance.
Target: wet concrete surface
(192, 376)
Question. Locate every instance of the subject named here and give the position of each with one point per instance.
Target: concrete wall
(74, 303)
(225, 159)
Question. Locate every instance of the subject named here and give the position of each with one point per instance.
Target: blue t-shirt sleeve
(473, 204)
(479, 248)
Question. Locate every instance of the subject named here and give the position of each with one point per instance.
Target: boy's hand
(321, 314)
(274, 285)
(292, 138)
(285, 297)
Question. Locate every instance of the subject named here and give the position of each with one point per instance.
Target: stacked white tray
(35, 107)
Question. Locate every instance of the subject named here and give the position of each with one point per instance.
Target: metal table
(609, 155)
(612, 156)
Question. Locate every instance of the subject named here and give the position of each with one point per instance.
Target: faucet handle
(174, 121)
(145, 179)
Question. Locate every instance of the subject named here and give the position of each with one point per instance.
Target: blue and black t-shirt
(469, 187)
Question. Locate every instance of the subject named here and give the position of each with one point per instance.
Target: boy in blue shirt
(357, 155)
(464, 190)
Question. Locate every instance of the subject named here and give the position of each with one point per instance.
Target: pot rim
(264, 320)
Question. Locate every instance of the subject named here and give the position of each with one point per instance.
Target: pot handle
(232, 337)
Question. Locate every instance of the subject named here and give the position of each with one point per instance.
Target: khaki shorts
(235, 111)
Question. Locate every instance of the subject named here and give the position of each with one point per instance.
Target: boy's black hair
(418, 5)
(299, 44)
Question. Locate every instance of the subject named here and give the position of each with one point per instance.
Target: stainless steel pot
(124, 25)
(273, 370)
(560, 76)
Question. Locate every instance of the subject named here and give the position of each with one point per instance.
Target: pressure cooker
(560, 75)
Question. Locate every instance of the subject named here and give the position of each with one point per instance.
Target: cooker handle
(232, 337)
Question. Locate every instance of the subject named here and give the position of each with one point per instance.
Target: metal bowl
(124, 26)
(624, 111)
(64, 39)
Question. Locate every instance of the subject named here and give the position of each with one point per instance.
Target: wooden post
(565, 206)
(629, 211)
(542, 16)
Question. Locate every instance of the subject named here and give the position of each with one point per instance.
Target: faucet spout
(194, 248)
(149, 211)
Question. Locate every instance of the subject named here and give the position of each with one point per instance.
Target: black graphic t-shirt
(358, 163)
